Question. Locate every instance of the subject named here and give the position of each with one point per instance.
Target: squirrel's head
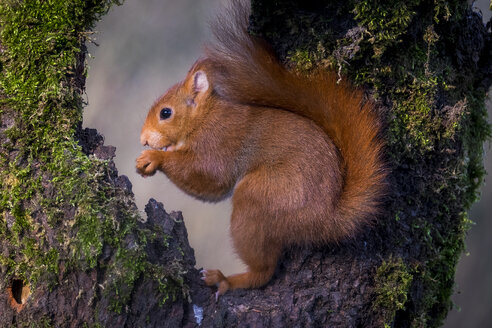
(176, 114)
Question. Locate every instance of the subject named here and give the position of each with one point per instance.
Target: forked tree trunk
(73, 252)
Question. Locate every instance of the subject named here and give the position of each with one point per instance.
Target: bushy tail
(251, 74)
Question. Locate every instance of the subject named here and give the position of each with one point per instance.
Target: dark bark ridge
(74, 251)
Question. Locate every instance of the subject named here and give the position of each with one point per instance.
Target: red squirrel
(298, 153)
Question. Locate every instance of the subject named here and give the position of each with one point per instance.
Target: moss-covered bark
(428, 65)
(69, 228)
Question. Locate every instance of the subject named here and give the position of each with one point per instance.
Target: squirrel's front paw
(148, 162)
(217, 278)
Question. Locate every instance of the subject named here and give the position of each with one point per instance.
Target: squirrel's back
(249, 73)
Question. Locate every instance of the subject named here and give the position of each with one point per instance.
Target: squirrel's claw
(202, 273)
(217, 278)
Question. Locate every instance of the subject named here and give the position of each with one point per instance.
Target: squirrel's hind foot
(215, 278)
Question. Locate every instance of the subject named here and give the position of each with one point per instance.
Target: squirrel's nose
(144, 137)
(143, 140)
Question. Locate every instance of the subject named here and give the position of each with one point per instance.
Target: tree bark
(75, 252)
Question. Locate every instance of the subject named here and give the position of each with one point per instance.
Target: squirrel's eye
(166, 113)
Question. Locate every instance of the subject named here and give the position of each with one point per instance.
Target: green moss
(44, 322)
(392, 283)
(476, 130)
(43, 171)
(385, 21)
(42, 42)
(302, 58)
(412, 109)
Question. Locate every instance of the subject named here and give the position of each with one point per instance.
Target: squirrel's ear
(200, 82)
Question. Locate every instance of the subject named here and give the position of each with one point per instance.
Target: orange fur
(299, 154)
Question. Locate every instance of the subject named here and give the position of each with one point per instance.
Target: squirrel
(300, 154)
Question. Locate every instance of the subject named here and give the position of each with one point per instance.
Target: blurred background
(145, 46)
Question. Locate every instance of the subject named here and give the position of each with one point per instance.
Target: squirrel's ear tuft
(200, 82)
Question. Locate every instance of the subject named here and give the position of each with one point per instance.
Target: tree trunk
(74, 251)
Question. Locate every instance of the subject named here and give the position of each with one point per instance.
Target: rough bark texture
(71, 231)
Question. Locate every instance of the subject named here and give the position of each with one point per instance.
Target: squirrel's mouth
(166, 148)
(172, 147)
